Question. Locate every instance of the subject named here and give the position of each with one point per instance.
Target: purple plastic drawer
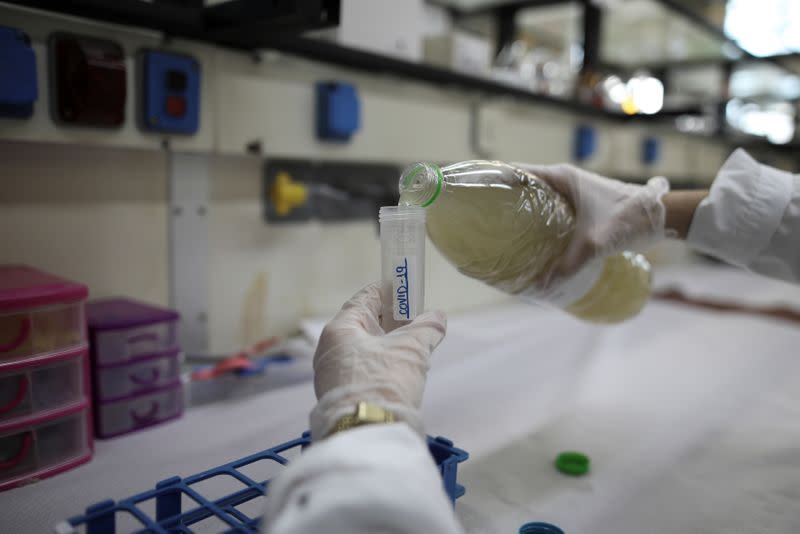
(35, 386)
(43, 447)
(122, 329)
(143, 374)
(138, 411)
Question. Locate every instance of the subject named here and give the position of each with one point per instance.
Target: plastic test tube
(402, 264)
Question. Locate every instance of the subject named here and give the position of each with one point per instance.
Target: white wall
(96, 215)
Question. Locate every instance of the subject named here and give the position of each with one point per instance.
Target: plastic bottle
(402, 264)
(504, 226)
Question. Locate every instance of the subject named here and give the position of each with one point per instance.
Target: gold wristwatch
(365, 414)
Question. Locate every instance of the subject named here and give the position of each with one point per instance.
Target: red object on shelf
(90, 80)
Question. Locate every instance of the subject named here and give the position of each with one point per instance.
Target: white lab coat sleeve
(751, 218)
(379, 478)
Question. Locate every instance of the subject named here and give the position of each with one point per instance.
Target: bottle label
(403, 306)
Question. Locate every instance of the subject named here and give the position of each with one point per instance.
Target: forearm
(680, 207)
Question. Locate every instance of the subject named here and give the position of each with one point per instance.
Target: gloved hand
(611, 216)
(357, 361)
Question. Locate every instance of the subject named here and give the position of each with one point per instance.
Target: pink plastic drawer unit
(143, 374)
(39, 313)
(37, 447)
(139, 411)
(34, 386)
(122, 329)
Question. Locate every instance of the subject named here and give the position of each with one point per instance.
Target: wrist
(680, 207)
(351, 406)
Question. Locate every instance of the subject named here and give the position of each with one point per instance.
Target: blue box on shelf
(170, 92)
(168, 518)
(585, 142)
(338, 111)
(651, 150)
(19, 88)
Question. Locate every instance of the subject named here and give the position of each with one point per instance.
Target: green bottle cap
(572, 463)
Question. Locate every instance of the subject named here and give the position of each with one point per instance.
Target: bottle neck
(421, 184)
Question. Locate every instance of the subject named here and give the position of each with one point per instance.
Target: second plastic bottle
(504, 226)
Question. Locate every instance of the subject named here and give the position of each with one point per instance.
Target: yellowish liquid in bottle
(620, 292)
(507, 229)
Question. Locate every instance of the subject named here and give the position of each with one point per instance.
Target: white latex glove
(611, 216)
(357, 361)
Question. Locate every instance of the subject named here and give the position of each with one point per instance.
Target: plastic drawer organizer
(45, 425)
(124, 330)
(178, 505)
(154, 371)
(139, 411)
(32, 450)
(136, 365)
(36, 387)
(39, 313)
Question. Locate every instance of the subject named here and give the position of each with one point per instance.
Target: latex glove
(357, 361)
(611, 216)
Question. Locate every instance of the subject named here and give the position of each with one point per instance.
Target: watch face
(365, 414)
(372, 413)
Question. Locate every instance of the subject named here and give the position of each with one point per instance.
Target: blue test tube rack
(101, 518)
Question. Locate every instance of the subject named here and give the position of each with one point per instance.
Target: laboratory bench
(690, 416)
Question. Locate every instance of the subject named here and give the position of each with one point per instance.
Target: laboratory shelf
(161, 509)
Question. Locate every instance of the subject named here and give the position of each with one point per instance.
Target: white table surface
(691, 419)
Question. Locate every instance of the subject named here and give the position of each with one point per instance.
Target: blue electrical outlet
(338, 111)
(585, 142)
(170, 92)
(18, 89)
(651, 150)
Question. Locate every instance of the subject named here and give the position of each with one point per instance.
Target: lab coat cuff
(742, 211)
(369, 479)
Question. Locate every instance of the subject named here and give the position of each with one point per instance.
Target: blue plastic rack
(101, 518)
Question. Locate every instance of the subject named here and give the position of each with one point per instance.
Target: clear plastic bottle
(504, 226)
